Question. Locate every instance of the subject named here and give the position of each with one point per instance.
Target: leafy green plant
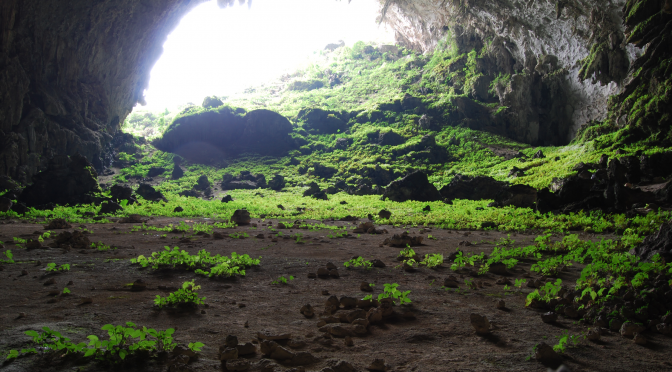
(547, 292)
(391, 291)
(407, 252)
(51, 267)
(200, 263)
(101, 246)
(10, 257)
(66, 291)
(358, 262)
(566, 340)
(282, 280)
(123, 342)
(184, 296)
(432, 260)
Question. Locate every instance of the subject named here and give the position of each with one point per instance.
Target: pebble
(378, 365)
(501, 305)
(549, 317)
(480, 323)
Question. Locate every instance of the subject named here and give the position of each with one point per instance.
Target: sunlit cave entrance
(219, 50)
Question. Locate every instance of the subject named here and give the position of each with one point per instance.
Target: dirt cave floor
(433, 333)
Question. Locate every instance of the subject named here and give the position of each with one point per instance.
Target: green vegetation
(200, 263)
(282, 280)
(124, 342)
(10, 257)
(186, 295)
(358, 262)
(392, 292)
(432, 260)
(51, 268)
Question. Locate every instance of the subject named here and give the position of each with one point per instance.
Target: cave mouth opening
(220, 51)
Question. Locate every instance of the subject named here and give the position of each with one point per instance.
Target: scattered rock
(480, 323)
(384, 214)
(348, 341)
(365, 287)
(337, 330)
(241, 217)
(247, 348)
(178, 209)
(277, 183)
(545, 353)
(498, 268)
(228, 353)
(628, 329)
(549, 317)
(639, 339)
(227, 198)
(149, 193)
(58, 223)
(348, 302)
(414, 186)
(307, 311)
(237, 365)
(403, 240)
(272, 336)
(110, 207)
(593, 335)
(501, 305)
(377, 263)
(451, 282)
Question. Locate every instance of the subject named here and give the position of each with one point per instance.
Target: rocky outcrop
(415, 186)
(208, 135)
(70, 72)
(614, 185)
(323, 122)
(644, 107)
(570, 52)
(67, 180)
(483, 188)
(246, 181)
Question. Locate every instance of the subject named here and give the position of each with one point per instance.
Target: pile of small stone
(368, 228)
(329, 270)
(403, 240)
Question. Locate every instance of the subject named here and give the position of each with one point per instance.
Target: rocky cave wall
(71, 71)
(528, 30)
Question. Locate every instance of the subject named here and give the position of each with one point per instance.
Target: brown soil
(440, 338)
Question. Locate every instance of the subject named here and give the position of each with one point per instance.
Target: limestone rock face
(70, 72)
(558, 93)
(67, 180)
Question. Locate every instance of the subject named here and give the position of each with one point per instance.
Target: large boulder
(67, 180)
(414, 186)
(473, 188)
(212, 102)
(244, 181)
(321, 121)
(149, 193)
(208, 135)
(520, 196)
(390, 138)
(277, 183)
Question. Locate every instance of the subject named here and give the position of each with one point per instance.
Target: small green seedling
(391, 291)
(282, 280)
(358, 262)
(51, 267)
(186, 295)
